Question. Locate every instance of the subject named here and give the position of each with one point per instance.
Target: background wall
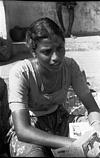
(23, 13)
(87, 17)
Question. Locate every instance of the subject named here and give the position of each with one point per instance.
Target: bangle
(95, 122)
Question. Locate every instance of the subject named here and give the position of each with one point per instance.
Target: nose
(54, 58)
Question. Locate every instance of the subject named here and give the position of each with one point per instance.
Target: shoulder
(20, 67)
(69, 61)
(72, 64)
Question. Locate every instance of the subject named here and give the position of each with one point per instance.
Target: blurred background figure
(70, 5)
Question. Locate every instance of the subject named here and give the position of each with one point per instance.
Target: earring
(34, 55)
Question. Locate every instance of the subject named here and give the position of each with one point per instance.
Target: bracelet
(95, 122)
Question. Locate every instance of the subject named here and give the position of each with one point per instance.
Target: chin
(56, 68)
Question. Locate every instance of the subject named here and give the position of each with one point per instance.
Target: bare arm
(82, 90)
(93, 110)
(30, 134)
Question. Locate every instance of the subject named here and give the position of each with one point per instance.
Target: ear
(28, 39)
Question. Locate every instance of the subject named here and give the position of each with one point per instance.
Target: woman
(37, 93)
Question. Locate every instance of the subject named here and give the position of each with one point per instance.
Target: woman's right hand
(71, 149)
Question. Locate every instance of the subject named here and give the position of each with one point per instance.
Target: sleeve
(78, 80)
(18, 88)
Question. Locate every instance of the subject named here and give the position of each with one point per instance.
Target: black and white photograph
(49, 78)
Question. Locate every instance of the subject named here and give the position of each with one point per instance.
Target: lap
(22, 149)
(55, 123)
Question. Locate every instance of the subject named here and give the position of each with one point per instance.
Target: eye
(46, 52)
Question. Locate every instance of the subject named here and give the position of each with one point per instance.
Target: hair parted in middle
(40, 29)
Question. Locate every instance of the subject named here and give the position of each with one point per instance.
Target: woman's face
(50, 53)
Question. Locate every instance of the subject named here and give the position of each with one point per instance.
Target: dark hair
(43, 28)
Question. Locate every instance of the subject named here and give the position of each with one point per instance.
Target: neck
(47, 73)
(50, 80)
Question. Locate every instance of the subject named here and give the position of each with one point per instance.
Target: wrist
(95, 122)
(96, 125)
(94, 118)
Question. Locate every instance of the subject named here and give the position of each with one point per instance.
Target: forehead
(53, 41)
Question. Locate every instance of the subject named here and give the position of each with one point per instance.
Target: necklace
(46, 86)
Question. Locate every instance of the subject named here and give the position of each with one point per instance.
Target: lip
(56, 65)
